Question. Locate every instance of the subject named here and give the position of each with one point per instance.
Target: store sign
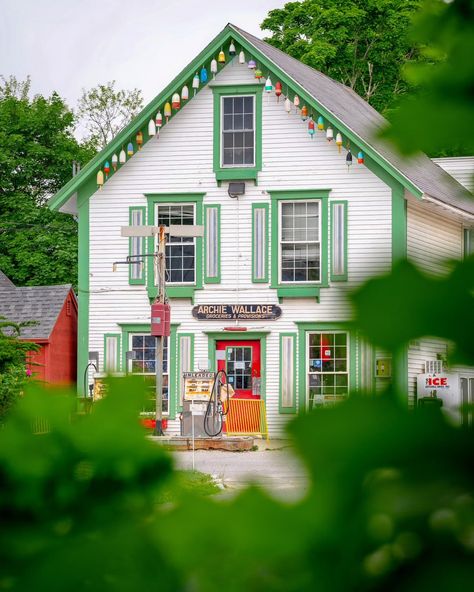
(443, 383)
(198, 385)
(247, 312)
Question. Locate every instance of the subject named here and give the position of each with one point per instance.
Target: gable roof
(340, 105)
(33, 303)
(5, 281)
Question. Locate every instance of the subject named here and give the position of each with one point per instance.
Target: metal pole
(160, 270)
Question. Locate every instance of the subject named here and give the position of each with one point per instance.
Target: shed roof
(33, 303)
(341, 105)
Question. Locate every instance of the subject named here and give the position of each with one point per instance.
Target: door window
(239, 367)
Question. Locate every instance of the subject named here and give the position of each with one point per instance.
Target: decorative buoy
(258, 74)
(320, 123)
(360, 157)
(339, 142)
(232, 51)
(159, 121)
(349, 159)
(304, 113)
(214, 68)
(311, 128)
(139, 139)
(241, 57)
(252, 64)
(167, 111)
(329, 134)
(175, 101)
(151, 128)
(106, 169)
(100, 179)
(114, 162)
(184, 93)
(287, 105)
(122, 157)
(195, 83)
(278, 90)
(296, 102)
(221, 57)
(130, 149)
(268, 85)
(203, 75)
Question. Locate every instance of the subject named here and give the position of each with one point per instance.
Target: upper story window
(180, 251)
(300, 241)
(238, 131)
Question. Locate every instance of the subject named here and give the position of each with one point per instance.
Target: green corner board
(140, 122)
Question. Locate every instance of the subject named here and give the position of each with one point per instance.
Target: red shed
(54, 308)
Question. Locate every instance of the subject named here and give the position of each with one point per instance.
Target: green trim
(217, 278)
(244, 172)
(137, 281)
(214, 336)
(342, 277)
(178, 407)
(400, 373)
(175, 291)
(303, 328)
(468, 245)
(291, 409)
(118, 336)
(311, 102)
(399, 225)
(128, 328)
(264, 280)
(83, 284)
(303, 290)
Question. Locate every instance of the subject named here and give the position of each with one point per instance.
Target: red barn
(54, 308)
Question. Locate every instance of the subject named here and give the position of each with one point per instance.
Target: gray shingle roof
(364, 120)
(33, 303)
(5, 282)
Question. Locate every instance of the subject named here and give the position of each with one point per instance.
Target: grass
(184, 482)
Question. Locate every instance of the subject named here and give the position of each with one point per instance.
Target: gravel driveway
(278, 471)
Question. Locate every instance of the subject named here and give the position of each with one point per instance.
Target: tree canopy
(37, 147)
(362, 43)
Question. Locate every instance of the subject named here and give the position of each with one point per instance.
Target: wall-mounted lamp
(236, 189)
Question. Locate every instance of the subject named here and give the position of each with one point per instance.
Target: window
(212, 238)
(137, 247)
(259, 243)
(238, 131)
(180, 251)
(239, 367)
(300, 247)
(327, 367)
(144, 349)
(237, 139)
(287, 373)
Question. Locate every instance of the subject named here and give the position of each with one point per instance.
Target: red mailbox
(160, 320)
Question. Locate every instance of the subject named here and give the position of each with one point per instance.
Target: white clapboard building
(290, 228)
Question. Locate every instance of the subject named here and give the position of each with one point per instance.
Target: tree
(361, 43)
(37, 148)
(105, 111)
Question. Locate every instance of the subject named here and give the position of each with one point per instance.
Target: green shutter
(260, 243)
(338, 241)
(287, 391)
(212, 244)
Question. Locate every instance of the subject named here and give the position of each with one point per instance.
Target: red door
(241, 362)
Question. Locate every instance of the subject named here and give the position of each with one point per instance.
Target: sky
(67, 45)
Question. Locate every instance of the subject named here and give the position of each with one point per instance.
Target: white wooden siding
(420, 351)
(459, 167)
(181, 161)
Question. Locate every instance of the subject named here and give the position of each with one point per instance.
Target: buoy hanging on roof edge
(184, 93)
(311, 128)
(349, 159)
(159, 122)
(242, 57)
(296, 102)
(100, 179)
(221, 57)
(287, 105)
(320, 123)
(339, 142)
(106, 169)
(122, 157)
(214, 68)
(232, 51)
(258, 74)
(114, 162)
(278, 90)
(329, 134)
(252, 64)
(203, 75)
(139, 140)
(304, 113)
(360, 157)
(268, 85)
(176, 101)
(130, 149)
(167, 111)
(195, 83)
(151, 128)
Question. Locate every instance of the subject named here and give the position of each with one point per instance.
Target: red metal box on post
(160, 320)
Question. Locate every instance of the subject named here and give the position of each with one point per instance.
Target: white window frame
(221, 132)
(174, 204)
(280, 228)
(348, 354)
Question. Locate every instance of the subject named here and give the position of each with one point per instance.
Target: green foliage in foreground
(390, 506)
